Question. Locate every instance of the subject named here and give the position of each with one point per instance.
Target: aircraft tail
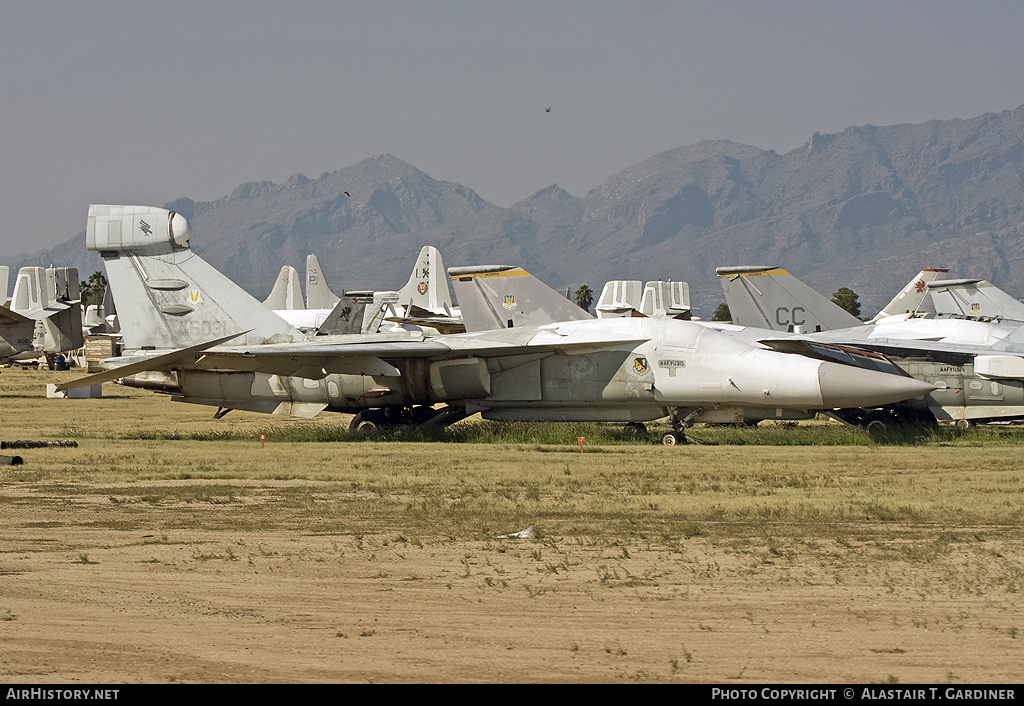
(287, 293)
(166, 295)
(346, 317)
(619, 298)
(913, 297)
(51, 297)
(427, 287)
(974, 297)
(318, 293)
(769, 297)
(665, 299)
(498, 296)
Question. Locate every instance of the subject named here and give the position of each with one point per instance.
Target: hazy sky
(141, 102)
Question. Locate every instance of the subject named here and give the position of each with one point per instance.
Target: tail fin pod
(166, 295)
(286, 293)
(499, 296)
(769, 297)
(427, 287)
(318, 293)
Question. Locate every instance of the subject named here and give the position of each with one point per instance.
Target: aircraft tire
(368, 422)
(963, 424)
(879, 421)
(635, 430)
(672, 438)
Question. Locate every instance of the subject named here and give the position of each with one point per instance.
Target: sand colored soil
(93, 589)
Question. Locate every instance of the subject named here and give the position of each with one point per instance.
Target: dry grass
(212, 559)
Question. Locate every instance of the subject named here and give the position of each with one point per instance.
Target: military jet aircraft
(977, 366)
(177, 312)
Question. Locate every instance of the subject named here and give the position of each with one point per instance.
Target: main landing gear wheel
(368, 422)
(635, 430)
(963, 424)
(673, 438)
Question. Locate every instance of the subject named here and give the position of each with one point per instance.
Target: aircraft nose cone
(847, 386)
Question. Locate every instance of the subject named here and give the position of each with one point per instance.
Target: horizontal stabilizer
(157, 362)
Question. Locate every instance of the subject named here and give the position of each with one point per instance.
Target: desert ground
(172, 547)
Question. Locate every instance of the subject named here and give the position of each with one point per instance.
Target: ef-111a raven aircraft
(177, 313)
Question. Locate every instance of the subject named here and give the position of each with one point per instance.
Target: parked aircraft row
(975, 362)
(424, 302)
(527, 354)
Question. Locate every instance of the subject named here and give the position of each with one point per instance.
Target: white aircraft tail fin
(427, 287)
(665, 299)
(499, 296)
(619, 298)
(974, 297)
(166, 295)
(318, 293)
(769, 297)
(51, 296)
(287, 293)
(913, 298)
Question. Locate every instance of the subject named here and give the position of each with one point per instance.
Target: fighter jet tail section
(166, 296)
(50, 296)
(620, 298)
(772, 298)
(913, 298)
(427, 287)
(498, 296)
(975, 298)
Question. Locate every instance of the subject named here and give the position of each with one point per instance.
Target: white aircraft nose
(847, 386)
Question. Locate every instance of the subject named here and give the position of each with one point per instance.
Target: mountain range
(865, 208)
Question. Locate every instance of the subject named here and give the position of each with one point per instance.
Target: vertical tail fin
(974, 297)
(913, 297)
(427, 287)
(769, 297)
(318, 293)
(497, 296)
(50, 296)
(619, 298)
(665, 299)
(166, 295)
(286, 293)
